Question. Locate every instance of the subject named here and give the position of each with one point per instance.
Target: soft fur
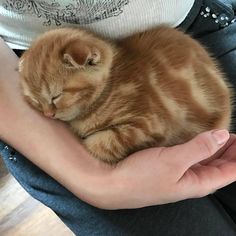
(156, 88)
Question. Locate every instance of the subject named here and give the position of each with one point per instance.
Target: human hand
(163, 175)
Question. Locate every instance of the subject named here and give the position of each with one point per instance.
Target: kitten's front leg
(114, 144)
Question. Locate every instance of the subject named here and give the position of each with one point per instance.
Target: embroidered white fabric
(23, 20)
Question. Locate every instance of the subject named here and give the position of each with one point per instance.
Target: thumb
(199, 148)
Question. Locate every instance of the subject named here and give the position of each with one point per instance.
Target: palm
(215, 170)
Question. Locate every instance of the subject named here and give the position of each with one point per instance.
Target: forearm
(47, 143)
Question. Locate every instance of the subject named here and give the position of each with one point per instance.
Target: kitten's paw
(103, 148)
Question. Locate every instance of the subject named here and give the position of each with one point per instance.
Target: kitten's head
(64, 72)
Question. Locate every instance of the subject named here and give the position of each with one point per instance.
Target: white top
(23, 20)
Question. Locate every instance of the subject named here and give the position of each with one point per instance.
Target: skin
(149, 177)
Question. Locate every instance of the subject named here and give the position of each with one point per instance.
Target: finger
(230, 146)
(203, 180)
(199, 148)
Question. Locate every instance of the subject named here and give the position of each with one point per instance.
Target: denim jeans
(209, 216)
(191, 217)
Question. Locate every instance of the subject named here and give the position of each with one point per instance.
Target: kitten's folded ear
(78, 55)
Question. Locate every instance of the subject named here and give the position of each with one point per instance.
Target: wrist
(102, 187)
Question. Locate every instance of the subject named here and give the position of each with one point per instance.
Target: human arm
(150, 177)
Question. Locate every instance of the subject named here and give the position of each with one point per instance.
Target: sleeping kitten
(157, 88)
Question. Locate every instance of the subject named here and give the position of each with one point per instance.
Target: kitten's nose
(49, 114)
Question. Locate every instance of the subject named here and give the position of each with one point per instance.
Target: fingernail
(221, 136)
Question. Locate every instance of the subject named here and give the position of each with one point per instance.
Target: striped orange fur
(156, 88)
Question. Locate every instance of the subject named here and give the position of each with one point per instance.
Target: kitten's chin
(66, 117)
(63, 119)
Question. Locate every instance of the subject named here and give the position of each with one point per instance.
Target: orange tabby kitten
(156, 88)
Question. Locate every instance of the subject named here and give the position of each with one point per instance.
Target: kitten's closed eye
(56, 98)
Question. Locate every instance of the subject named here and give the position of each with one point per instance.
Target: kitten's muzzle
(49, 114)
